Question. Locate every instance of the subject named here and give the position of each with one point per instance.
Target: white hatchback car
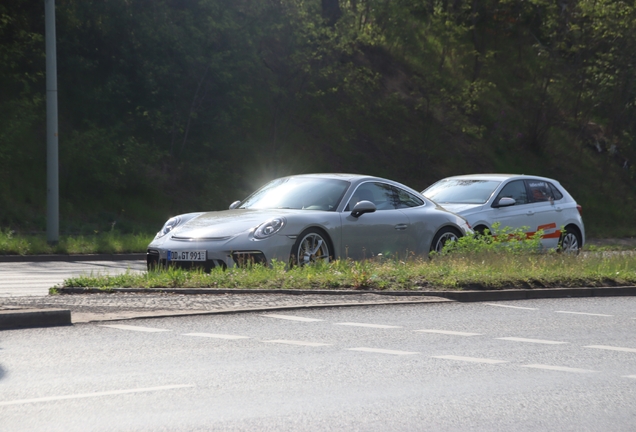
(514, 201)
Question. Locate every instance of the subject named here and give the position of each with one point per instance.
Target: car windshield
(304, 193)
(461, 191)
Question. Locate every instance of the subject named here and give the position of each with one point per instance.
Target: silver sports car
(306, 218)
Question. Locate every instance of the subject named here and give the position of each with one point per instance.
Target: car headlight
(172, 223)
(269, 228)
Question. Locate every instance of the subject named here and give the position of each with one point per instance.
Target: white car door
(547, 212)
(516, 216)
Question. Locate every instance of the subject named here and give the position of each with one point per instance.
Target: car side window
(406, 199)
(516, 190)
(540, 191)
(555, 192)
(380, 194)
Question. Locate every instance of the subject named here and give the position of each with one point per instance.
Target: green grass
(507, 260)
(628, 244)
(103, 242)
(485, 270)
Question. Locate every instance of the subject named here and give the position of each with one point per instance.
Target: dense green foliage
(109, 242)
(169, 106)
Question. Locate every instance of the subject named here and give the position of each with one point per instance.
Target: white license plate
(193, 255)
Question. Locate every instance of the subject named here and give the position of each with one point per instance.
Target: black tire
(481, 230)
(483, 233)
(570, 241)
(442, 237)
(311, 246)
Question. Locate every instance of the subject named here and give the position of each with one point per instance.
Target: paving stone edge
(461, 296)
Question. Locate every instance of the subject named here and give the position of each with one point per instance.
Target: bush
(504, 240)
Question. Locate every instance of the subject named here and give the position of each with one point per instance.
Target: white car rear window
(461, 191)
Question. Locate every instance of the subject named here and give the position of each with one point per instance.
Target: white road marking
(96, 394)
(539, 341)
(558, 368)
(611, 348)
(291, 317)
(367, 325)
(133, 328)
(382, 351)
(470, 359)
(507, 306)
(583, 313)
(216, 336)
(630, 376)
(448, 332)
(291, 342)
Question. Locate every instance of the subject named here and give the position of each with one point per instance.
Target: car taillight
(580, 209)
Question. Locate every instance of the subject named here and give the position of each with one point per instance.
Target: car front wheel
(310, 247)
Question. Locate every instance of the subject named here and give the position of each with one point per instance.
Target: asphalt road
(35, 278)
(561, 364)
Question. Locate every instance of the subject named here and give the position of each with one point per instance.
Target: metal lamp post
(52, 166)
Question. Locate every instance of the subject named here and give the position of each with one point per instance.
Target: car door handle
(530, 213)
(401, 227)
(558, 209)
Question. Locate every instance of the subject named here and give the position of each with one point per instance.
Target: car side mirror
(234, 205)
(505, 202)
(363, 207)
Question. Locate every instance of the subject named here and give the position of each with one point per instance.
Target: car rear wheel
(310, 247)
(442, 237)
(570, 241)
(482, 230)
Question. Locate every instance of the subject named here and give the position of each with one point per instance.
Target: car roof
(339, 176)
(356, 179)
(500, 177)
(353, 178)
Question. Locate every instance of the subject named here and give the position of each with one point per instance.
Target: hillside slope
(185, 106)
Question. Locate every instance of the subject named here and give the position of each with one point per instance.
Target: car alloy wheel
(442, 237)
(570, 242)
(312, 246)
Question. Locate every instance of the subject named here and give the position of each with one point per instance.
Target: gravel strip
(98, 307)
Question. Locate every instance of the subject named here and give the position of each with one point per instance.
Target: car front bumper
(236, 252)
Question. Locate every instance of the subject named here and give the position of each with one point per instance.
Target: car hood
(227, 223)
(462, 209)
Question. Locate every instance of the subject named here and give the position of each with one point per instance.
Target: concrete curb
(71, 258)
(461, 296)
(29, 318)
